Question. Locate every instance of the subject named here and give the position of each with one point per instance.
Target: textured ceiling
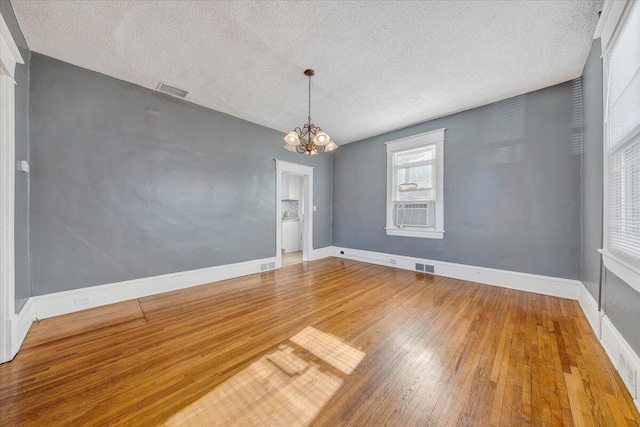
(379, 65)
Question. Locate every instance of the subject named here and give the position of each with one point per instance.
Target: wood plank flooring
(437, 351)
(291, 258)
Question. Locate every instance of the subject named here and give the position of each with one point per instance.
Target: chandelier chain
(309, 117)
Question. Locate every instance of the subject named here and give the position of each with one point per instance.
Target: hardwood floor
(330, 342)
(291, 258)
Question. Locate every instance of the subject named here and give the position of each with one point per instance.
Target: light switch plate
(24, 166)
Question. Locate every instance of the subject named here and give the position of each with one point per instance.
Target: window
(622, 139)
(415, 194)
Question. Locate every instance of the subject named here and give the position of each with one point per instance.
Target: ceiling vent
(174, 91)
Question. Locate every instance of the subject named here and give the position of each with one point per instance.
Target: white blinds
(624, 221)
(623, 112)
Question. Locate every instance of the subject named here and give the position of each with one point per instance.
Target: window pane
(408, 196)
(624, 81)
(624, 59)
(420, 175)
(417, 155)
(624, 204)
(624, 116)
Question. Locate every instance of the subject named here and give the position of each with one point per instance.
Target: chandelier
(310, 139)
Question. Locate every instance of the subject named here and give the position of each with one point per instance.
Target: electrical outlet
(84, 300)
(392, 261)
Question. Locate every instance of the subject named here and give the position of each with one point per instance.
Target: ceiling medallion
(310, 139)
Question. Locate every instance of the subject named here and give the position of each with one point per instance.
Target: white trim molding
(612, 11)
(9, 57)
(622, 269)
(553, 286)
(624, 359)
(9, 52)
(307, 224)
(21, 324)
(7, 213)
(321, 253)
(59, 303)
(589, 306)
(614, 14)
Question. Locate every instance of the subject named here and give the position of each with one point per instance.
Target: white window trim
(428, 138)
(614, 14)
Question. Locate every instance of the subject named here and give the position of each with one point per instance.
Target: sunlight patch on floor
(279, 389)
(329, 348)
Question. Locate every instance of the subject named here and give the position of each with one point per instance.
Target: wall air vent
(174, 91)
(425, 268)
(267, 266)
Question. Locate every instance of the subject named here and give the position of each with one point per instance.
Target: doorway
(294, 213)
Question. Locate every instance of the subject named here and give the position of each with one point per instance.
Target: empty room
(319, 213)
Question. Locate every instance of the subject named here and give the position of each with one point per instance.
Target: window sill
(622, 269)
(427, 234)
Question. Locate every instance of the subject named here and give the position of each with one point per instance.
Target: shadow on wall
(506, 142)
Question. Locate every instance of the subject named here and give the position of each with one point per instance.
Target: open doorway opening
(292, 237)
(294, 213)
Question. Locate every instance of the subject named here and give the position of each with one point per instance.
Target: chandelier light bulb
(321, 139)
(292, 138)
(330, 146)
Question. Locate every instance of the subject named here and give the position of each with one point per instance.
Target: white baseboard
(553, 286)
(21, 324)
(58, 303)
(320, 253)
(589, 306)
(629, 368)
(16, 329)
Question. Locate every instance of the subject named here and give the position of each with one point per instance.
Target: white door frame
(9, 57)
(307, 224)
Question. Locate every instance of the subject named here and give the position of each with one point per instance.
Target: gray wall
(23, 286)
(128, 183)
(592, 170)
(512, 187)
